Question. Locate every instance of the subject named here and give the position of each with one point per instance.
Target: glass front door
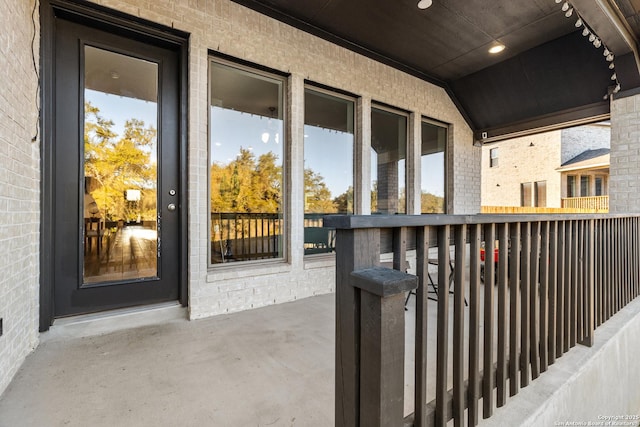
(116, 152)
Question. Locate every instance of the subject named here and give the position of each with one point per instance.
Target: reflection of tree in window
(120, 164)
(434, 139)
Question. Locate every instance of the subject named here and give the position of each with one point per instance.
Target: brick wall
(579, 139)
(624, 178)
(519, 162)
(19, 188)
(224, 26)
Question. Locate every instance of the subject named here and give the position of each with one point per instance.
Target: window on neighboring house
(246, 153)
(571, 186)
(525, 194)
(493, 157)
(388, 158)
(540, 194)
(584, 186)
(328, 165)
(433, 157)
(600, 186)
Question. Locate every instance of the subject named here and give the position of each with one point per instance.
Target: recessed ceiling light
(423, 4)
(496, 48)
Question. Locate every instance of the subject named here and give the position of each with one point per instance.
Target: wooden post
(382, 344)
(355, 250)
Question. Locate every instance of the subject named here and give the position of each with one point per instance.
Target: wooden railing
(599, 204)
(558, 277)
(535, 210)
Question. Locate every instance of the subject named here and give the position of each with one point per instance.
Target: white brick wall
(624, 178)
(519, 162)
(19, 188)
(227, 27)
(581, 138)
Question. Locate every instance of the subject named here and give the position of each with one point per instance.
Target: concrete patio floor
(272, 366)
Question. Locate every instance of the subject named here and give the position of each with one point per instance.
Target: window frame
(407, 115)
(265, 73)
(526, 189)
(447, 128)
(336, 93)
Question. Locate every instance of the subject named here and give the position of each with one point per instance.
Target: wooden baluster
(459, 391)
(442, 358)
(533, 300)
(553, 289)
(525, 305)
(474, 325)
(544, 292)
(489, 277)
(422, 265)
(514, 315)
(503, 263)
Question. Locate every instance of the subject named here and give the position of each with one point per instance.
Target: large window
(388, 158)
(328, 165)
(246, 164)
(433, 179)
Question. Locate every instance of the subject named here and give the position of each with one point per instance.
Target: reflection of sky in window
(119, 109)
(432, 180)
(232, 130)
(330, 153)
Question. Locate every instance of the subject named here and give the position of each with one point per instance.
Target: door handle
(171, 207)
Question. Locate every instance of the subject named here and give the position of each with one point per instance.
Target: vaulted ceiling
(548, 73)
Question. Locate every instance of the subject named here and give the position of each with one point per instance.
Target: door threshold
(93, 324)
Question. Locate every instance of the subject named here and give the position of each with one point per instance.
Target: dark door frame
(119, 23)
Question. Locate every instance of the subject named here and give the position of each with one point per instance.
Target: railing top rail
(350, 222)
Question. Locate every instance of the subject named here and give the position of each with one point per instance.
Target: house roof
(589, 159)
(548, 74)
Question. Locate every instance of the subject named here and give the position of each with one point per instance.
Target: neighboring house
(548, 170)
(585, 180)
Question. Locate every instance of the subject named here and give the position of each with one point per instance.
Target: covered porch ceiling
(549, 74)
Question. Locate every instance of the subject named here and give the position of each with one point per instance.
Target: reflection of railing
(317, 240)
(245, 236)
(558, 278)
(253, 236)
(598, 203)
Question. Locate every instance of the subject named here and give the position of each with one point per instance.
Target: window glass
(432, 182)
(540, 194)
(525, 194)
(388, 156)
(599, 186)
(246, 163)
(571, 186)
(493, 157)
(328, 166)
(584, 186)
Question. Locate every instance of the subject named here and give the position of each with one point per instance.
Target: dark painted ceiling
(548, 73)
